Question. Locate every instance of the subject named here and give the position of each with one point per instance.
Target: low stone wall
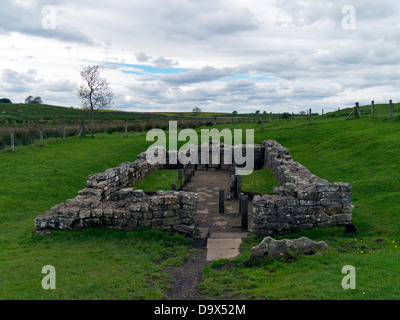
(109, 201)
(302, 201)
(127, 174)
(167, 210)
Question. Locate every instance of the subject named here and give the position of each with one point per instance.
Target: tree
(33, 100)
(286, 115)
(196, 110)
(258, 112)
(95, 94)
(5, 100)
(234, 112)
(29, 100)
(37, 100)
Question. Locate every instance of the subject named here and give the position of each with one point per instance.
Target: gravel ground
(207, 184)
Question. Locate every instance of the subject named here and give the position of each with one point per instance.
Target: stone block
(84, 214)
(171, 221)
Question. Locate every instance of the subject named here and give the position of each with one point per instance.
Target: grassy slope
(363, 152)
(48, 112)
(89, 265)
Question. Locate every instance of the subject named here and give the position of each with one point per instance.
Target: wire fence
(27, 132)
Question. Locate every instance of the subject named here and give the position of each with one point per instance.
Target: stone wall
(109, 201)
(302, 201)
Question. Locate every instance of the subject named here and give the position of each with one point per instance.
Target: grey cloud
(14, 81)
(205, 74)
(28, 20)
(199, 20)
(162, 62)
(142, 57)
(61, 86)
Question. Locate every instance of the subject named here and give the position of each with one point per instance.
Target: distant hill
(34, 112)
(29, 112)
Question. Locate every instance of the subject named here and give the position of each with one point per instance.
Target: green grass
(259, 182)
(363, 152)
(159, 180)
(111, 265)
(310, 277)
(33, 112)
(95, 264)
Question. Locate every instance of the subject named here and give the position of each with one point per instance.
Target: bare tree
(95, 93)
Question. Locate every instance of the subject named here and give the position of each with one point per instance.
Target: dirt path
(207, 184)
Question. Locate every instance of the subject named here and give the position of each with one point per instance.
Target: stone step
(224, 245)
(232, 235)
(202, 233)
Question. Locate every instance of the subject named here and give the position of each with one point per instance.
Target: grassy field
(95, 264)
(259, 182)
(159, 180)
(363, 152)
(100, 264)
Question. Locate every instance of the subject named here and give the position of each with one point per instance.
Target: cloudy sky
(174, 55)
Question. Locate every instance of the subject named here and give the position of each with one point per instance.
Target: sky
(221, 56)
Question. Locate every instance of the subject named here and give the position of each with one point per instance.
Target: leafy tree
(5, 100)
(33, 100)
(95, 94)
(196, 110)
(29, 100)
(234, 112)
(258, 111)
(286, 115)
(37, 100)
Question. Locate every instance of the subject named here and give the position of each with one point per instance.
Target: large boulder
(283, 248)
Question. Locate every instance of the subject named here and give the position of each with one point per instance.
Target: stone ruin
(109, 201)
(303, 200)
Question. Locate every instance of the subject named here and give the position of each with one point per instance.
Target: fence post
(262, 123)
(238, 185)
(309, 116)
(180, 178)
(126, 128)
(63, 132)
(221, 201)
(244, 207)
(358, 109)
(322, 112)
(391, 109)
(373, 108)
(12, 141)
(41, 137)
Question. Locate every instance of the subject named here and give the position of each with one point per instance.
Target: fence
(27, 131)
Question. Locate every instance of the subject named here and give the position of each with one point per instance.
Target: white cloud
(275, 55)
